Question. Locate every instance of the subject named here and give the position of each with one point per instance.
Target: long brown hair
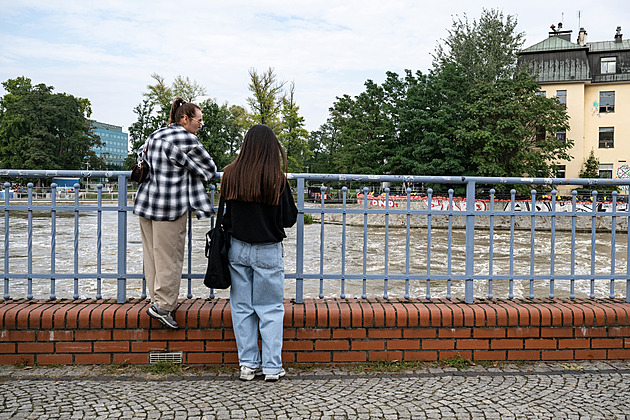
(179, 108)
(256, 174)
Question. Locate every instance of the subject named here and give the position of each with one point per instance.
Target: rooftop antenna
(579, 18)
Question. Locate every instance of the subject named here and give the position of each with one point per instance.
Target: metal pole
(470, 240)
(121, 295)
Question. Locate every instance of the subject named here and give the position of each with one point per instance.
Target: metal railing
(406, 209)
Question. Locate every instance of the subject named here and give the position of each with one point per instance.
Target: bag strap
(220, 213)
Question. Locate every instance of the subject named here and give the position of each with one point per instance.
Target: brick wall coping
(320, 331)
(23, 314)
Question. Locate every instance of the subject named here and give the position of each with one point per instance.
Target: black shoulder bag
(217, 247)
(140, 171)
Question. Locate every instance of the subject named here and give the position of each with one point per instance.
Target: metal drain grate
(164, 356)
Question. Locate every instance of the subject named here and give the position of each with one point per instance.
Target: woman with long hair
(259, 205)
(178, 165)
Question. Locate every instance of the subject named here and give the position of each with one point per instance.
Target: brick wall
(320, 331)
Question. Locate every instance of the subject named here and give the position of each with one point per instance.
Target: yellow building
(593, 80)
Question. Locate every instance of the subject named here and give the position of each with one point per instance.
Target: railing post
(121, 294)
(470, 241)
(299, 244)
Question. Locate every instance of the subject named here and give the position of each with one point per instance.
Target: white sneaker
(276, 376)
(247, 373)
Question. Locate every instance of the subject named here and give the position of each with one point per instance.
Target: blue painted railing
(470, 214)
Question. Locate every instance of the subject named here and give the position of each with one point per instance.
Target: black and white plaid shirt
(179, 163)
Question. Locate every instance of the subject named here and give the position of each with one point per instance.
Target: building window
(562, 136)
(562, 97)
(606, 170)
(606, 137)
(561, 171)
(607, 101)
(541, 93)
(609, 65)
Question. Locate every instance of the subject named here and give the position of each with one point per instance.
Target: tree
(293, 136)
(266, 101)
(590, 167)
(222, 132)
(40, 129)
(484, 50)
(140, 130)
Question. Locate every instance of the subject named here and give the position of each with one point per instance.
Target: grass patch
(457, 362)
(165, 368)
(308, 219)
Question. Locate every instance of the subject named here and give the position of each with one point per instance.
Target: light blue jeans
(256, 301)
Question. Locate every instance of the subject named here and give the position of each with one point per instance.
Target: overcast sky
(106, 50)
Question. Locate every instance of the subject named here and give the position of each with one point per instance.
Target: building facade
(115, 148)
(592, 79)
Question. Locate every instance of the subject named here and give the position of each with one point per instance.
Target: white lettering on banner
(381, 203)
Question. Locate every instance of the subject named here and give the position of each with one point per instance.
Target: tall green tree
(40, 129)
(266, 100)
(484, 49)
(293, 136)
(222, 132)
(590, 167)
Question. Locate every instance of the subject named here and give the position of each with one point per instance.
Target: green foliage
(40, 129)
(293, 136)
(266, 101)
(222, 132)
(165, 368)
(590, 167)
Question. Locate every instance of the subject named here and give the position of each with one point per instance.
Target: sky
(107, 50)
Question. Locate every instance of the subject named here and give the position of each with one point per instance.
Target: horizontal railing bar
(539, 277)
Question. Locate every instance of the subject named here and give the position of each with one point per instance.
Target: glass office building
(115, 148)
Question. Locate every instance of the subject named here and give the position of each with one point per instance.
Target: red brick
(489, 355)
(228, 335)
(349, 356)
(288, 334)
(111, 347)
(185, 346)
(403, 344)
(498, 332)
(288, 356)
(358, 333)
(36, 347)
(540, 344)
(13, 335)
(523, 355)
(303, 345)
(445, 355)
(220, 345)
(55, 335)
(375, 356)
(385, 333)
(313, 333)
(230, 358)
(590, 354)
(54, 359)
(132, 358)
(473, 344)
(420, 333)
(574, 343)
(607, 343)
(556, 332)
(557, 355)
(130, 335)
(73, 347)
(334, 345)
(506, 343)
(7, 348)
(204, 358)
(454, 333)
(95, 359)
(147, 346)
(618, 354)
(334, 315)
(523, 332)
(368, 345)
(168, 334)
(582, 332)
(421, 355)
(619, 332)
(379, 314)
(93, 335)
(314, 357)
(438, 344)
(12, 359)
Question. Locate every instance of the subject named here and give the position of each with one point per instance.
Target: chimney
(566, 35)
(582, 37)
(618, 36)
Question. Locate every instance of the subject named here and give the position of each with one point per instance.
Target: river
(18, 252)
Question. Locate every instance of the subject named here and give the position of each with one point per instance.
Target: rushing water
(332, 261)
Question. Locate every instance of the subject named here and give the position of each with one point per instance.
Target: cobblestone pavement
(579, 390)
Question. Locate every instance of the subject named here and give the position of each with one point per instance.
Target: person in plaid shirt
(178, 165)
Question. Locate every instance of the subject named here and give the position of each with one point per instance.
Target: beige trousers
(163, 252)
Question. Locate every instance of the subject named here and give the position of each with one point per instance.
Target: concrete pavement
(577, 390)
